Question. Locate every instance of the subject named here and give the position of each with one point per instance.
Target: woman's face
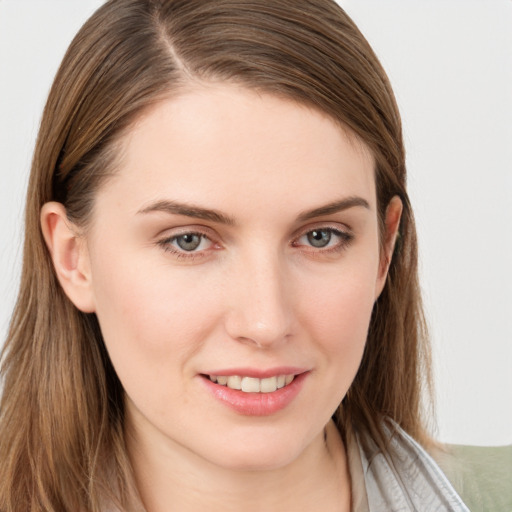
(238, 242)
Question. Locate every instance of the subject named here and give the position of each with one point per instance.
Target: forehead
(226, 144)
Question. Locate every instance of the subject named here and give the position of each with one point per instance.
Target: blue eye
(189, 241)
(186, 244)
(324, 238)
(319, 237)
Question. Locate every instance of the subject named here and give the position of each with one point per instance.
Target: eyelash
(167, 246)
(345, 239)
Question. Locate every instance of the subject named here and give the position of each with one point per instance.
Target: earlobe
(392, 224)
(69, 255)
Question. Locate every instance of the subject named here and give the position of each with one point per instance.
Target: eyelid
(198, 229)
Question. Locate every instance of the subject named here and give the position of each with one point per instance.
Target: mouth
(248, 384)
(255, 392)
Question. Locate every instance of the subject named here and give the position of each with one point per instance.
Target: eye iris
(319, 237)
(188, 242)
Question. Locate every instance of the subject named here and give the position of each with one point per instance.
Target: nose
(260, 302)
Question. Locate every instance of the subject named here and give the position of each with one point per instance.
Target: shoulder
(481, 475)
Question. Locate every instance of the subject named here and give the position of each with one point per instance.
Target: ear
(392, 223)
(69, 255)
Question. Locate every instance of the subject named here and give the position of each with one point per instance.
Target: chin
(258, 452)
(255, 461)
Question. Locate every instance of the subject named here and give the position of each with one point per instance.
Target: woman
(219, 291)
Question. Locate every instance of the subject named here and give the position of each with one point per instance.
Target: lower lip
(256, 404)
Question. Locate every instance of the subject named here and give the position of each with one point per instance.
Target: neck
(177, 479)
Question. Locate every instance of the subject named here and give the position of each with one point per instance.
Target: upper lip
(258, 373)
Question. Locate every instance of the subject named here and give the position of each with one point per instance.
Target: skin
(255, 293)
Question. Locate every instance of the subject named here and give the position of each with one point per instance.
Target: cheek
(341, 296)
(337, 313)
(149, 319)
(341, 316)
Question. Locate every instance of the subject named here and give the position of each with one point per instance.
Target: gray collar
(404, 479)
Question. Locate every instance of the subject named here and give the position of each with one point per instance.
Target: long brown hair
(61, 418)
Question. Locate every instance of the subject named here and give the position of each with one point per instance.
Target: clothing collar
(403, 479)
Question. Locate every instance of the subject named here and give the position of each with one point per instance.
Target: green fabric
(481, 475)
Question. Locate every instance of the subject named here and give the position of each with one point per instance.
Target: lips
(255, 393)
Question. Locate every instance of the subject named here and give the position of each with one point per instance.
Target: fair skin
(238, 239)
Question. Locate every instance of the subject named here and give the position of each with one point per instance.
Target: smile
(252, 384)
(253, 392)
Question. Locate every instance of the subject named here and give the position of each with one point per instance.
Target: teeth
(268, 385)
(251, 384)
(235, 382)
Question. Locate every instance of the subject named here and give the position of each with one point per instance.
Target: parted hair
(62, 444)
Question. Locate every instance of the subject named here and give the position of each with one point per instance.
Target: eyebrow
(188, 210)
(334, 207)
(197, 212)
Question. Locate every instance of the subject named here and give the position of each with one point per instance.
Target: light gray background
(450, 62)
